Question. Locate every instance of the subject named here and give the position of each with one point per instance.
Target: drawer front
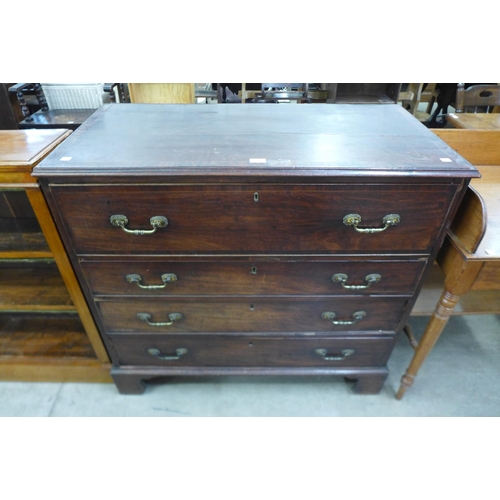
(252, 315)
(248, 351)
(171, 278)
(247, 219)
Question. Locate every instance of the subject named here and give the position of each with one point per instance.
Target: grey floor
(461, 377)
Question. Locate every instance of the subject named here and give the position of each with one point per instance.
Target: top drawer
(252, 218)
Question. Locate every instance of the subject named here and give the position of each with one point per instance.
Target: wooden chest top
(292, 140)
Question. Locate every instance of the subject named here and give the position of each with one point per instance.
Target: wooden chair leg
(438, 320)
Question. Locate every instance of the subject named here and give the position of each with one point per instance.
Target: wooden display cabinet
(46, 330)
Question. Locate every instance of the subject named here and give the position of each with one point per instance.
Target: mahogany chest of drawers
(252, 239)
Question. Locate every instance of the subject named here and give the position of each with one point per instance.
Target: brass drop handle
(157, 354)
(146, 317)
(369, 278)
(344, 353)
(166, 278)
(158, 221)
(355, 219)
(358, 315)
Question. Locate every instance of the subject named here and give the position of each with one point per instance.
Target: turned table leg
(460, 273)
(438, 321)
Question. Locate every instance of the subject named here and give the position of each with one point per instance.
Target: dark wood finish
(251, 276)
(214, 143)
(369, 383)
(285, 219)
(253, 314)
(243, 187)
(46, 325)
(248, 351)
(470, 257)
(131, 379)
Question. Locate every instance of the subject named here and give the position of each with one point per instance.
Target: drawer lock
(136, 278)
(344, 353)
(342, 279)
(146, 317)
(157, 221)
(330, 316)
(355, 219)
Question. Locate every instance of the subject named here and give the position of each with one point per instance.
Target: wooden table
(475, 121)
(470, 256)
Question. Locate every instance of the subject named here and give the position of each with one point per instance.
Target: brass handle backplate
(344, 353)
(146, 317)
(369, 278)
(166, 278)
(157, 221)
(330, 316)
(157, 354)
(355, 219)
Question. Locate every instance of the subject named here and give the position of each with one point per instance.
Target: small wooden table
(470, 256)
(475, 121)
